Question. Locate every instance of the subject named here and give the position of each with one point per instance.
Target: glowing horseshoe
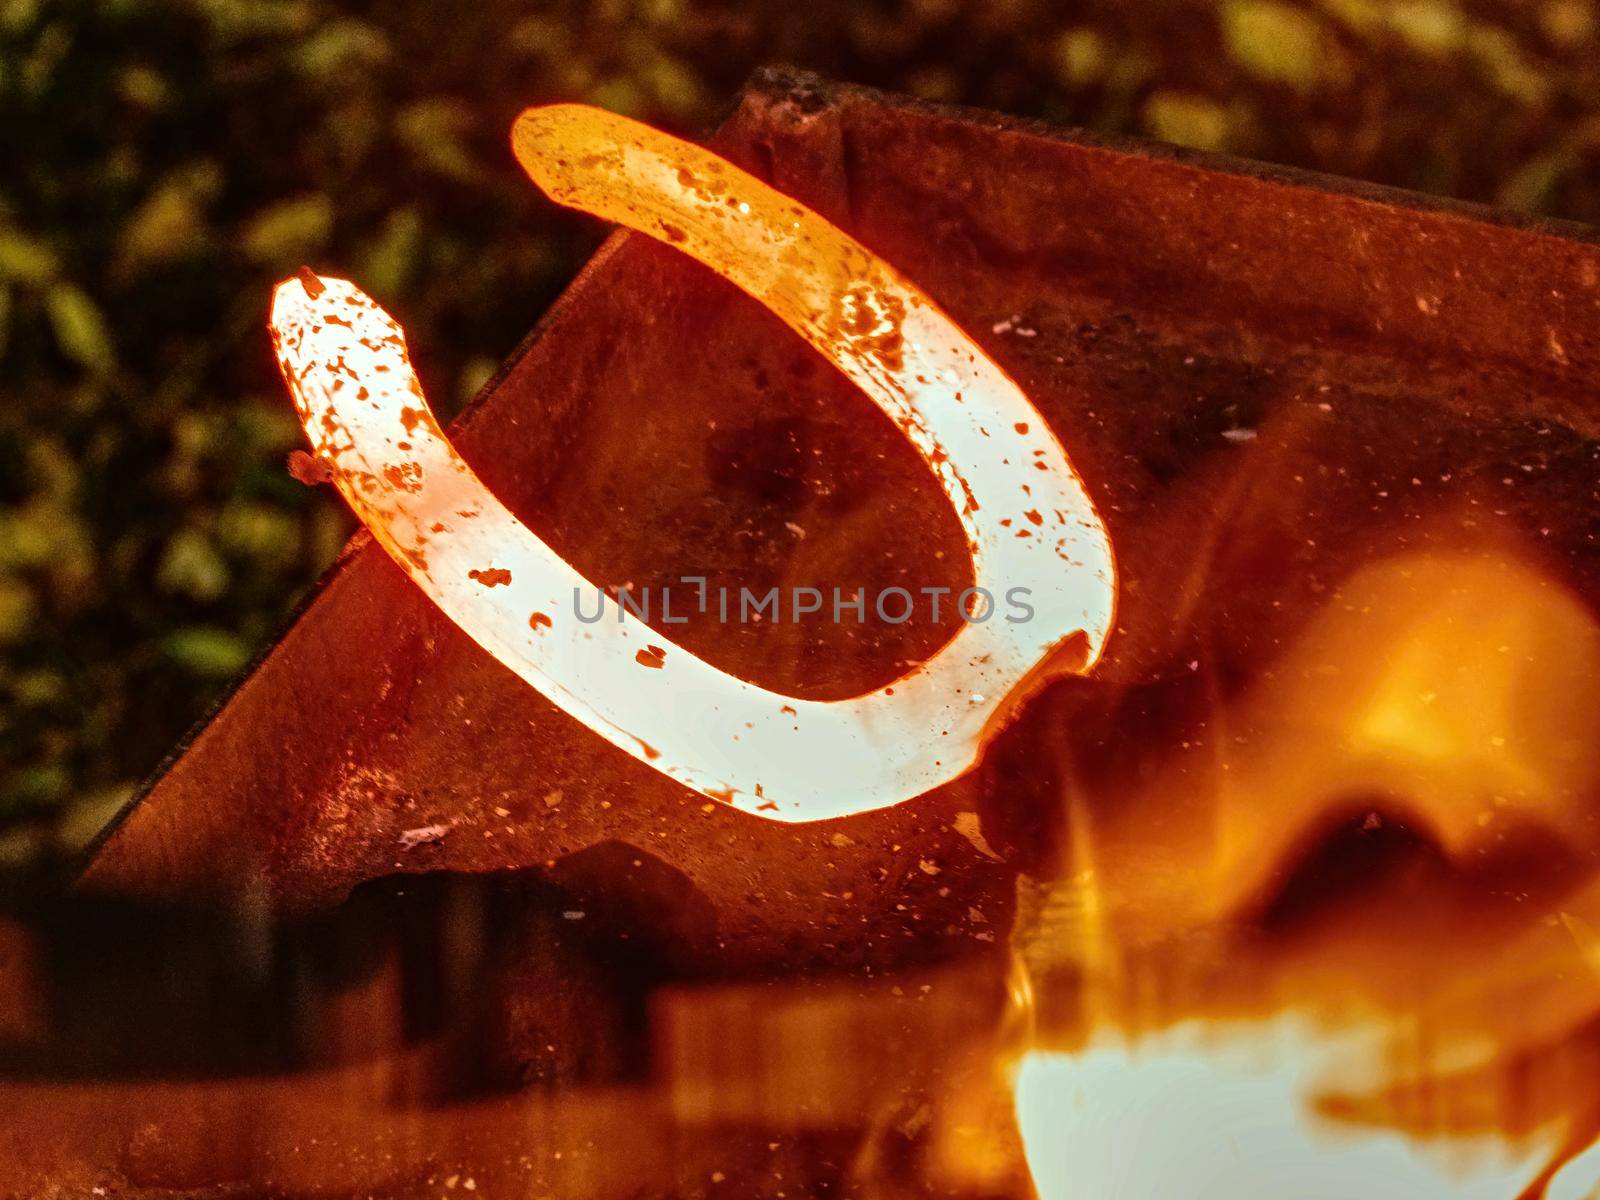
(1029, 522)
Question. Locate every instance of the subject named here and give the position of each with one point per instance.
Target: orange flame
(1411, 1041)
(1217, 1114)
(1028, 519)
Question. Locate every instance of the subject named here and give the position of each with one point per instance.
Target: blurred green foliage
(166, 162)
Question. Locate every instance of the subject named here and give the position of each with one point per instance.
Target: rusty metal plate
(1262, 376)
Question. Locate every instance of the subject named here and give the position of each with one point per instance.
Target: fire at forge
(959, 660)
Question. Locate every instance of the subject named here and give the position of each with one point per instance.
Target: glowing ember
(1027, 517)
(1579, 1179)
(1219, 1114)
(1422, 1032)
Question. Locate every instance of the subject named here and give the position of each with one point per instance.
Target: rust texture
(1261, 376)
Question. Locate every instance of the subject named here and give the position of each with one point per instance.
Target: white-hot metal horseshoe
(1029, 522)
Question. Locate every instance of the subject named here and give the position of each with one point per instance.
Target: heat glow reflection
(1426, 1028)
(1211, 1113)
(1028, 520)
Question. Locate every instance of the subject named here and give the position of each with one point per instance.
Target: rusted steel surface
(767, 1090)
(1262, 376)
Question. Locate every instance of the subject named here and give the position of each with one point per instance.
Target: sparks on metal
(773, 755)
